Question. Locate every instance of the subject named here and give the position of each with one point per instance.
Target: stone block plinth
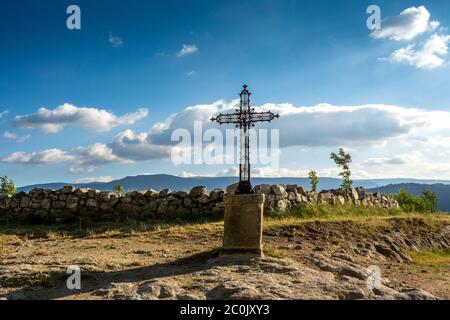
(243, 224)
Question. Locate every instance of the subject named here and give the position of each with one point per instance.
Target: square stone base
(243, 224)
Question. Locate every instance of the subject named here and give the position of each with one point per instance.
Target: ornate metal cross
(245, 118)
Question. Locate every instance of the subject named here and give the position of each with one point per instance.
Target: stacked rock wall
(69, 204)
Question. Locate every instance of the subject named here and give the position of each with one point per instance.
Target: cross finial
(245, 118)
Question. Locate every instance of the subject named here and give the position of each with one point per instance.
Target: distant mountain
(442, 191)
(161, 181)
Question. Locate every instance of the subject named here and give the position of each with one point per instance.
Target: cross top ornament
(245, 118)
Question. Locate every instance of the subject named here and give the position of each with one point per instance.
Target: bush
(313, 180)
(343, 159)
(326, 211)
(119, 190)
(7, 186)
(427, 202)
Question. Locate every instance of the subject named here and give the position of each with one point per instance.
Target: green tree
(313, 180)
(119, 189)
(432, 200)
(7, 186)
(343, 159)
(427, 202)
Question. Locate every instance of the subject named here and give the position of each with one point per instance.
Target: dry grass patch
(434, 261)
(273, 253)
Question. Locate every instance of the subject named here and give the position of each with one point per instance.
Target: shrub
(343, 159)
(427, 202)
(7, 186)
(313, 180)
(119, 190)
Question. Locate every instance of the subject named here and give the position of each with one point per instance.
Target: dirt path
(314, 260)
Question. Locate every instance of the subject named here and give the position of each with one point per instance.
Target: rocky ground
(304, 260)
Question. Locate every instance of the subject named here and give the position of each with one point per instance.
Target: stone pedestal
(243, 224)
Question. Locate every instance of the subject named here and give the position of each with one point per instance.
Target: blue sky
(315, 55)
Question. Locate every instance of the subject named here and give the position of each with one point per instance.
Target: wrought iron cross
(244, 118)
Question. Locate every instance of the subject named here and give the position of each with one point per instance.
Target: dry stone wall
(69, 204)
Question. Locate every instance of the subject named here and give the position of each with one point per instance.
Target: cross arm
(263, 116)
(227, 118)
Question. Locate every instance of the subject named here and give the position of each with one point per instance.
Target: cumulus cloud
(396, 160)
(320, 126)
(187, 50)
(52, 121)
(115, 41)
(430, 56)
(50, 156)
(408, 165)
(80, 170)
(133, 146)
(409, 24)
(3, 113)
(95, 154)
(12, 136)
(94, 179)
(267, 172)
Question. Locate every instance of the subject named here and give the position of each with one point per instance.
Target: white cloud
(95, 154)
(94, 179)
(133, 146)
(187, 50)
(50, 156)
(115, 41)
(396, 160)
(12, 136)
(415, 164)
(409, 24)
(79, 170)
(322, 127)
(3, 113)
(53, 121)
(430, 56)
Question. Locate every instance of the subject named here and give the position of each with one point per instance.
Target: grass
(272, 252)
(192, 226)
(435, 261)
(432, 257)
(345, 211)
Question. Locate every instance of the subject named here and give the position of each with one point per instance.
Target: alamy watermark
(374, 20)
(74, 280)
(373, 277)
(73, 22)
(215, 147)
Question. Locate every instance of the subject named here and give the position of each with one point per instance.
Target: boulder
(340, 200)
(71, 201)
(233, 188)
(283, 205)
(197, 192)
(58, 204)
(91, 203)
(46, 203)
(164, 192)
(262, 189)
(150, 192)
(301, 191)
(66, 189)
(216, 195)
(292, 196)
(291, 187)
(355, 195)
(25, 202)
(279, 191)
